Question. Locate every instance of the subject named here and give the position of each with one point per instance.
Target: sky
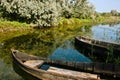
(106, 5)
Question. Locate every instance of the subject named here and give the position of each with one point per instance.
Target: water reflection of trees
(32, 43)
(40, 43)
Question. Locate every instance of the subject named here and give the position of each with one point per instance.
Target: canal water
(54, 43)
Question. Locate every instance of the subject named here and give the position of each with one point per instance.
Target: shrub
(45, 13)
(40, 12)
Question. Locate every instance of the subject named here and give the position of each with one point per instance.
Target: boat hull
(23, 73)
(30, 73)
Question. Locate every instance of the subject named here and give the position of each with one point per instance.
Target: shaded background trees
(45, 13)
(114, 12)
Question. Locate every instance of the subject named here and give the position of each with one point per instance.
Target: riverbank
(6, 26)
(99, 20)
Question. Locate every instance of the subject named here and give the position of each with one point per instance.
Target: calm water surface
(109, 33)
(54, 43)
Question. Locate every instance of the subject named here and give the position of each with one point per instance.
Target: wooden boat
(29, 67)
(96, 46)
(32, 68)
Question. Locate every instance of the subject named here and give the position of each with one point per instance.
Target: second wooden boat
(96, 46)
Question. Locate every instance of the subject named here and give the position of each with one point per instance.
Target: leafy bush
(41, 12)
(83, 9)
(45, 13)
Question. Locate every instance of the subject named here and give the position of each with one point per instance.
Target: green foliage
(65, 8)
(6, 26)
(83, 9)
(45, 13)
(13, 24)
(75, 21)
(100, 19)
(77, 9)
(41, 12)
(114, 13)
(105, 14)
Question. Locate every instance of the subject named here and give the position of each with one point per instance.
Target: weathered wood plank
(72, 73)
(33, 63)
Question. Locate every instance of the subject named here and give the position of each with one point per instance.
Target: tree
(64, 8)
(45, 13)
(114, 13)
(41, 12)
(82, 9)
(76, 8)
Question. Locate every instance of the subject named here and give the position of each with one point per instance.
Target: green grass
(107, 19)
(6, 25)
(77, 21)
(73, 21)
(12, 25)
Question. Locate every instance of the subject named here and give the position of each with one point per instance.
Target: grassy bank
(111, 19)
(76, 21)
(14, 25)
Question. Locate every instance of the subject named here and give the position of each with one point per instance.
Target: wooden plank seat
(34, 63)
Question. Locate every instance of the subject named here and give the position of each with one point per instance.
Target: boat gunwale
(98, 43)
